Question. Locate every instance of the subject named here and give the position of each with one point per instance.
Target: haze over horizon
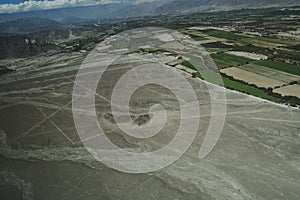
(11, 6)
(15, 6)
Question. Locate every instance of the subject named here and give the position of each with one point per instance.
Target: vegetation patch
(271, 73)
(230, 83)
(231, 59)
(252, 78)
(284, 67)
(224, 34)
(188, 65)
(275, 40)
(198, 38)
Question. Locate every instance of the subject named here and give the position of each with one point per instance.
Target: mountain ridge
(143, 8)
(194, 5)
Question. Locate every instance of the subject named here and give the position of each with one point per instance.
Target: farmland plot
(252, 78)
(271, 73)
(290, 90)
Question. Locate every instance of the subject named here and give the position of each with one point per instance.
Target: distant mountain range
(194, 5)
(141, 8)
(29, 33)
(19, 46)
(28, 25)
(29, 36)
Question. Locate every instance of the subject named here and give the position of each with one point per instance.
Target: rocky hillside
(18, 46)
(28, 25)
(29, 36)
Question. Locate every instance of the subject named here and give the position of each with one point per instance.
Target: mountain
(27, 25)
(15, 45)
(136, 8)
(119, 10)
(194, 5)
(29, 36)
(19, 46)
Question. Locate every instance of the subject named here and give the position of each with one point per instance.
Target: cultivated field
(288, 68)
(290, 90)
(231, 59)
(256, 58)
(271, 73)
(252, 78)
(253, 56)
(186, 69)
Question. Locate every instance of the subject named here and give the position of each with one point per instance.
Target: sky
(10, 6)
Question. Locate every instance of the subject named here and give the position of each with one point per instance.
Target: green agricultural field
(192, 32)
(235, 85)
(222, 65)
(224, 34)
(264, 41)
(276, 41)
(198, 38)
(231, 59)
(216, 50)
(194, 61)
(188, 65)
(214, 78)
(195, 35)
(284, 67)
(270, 73)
